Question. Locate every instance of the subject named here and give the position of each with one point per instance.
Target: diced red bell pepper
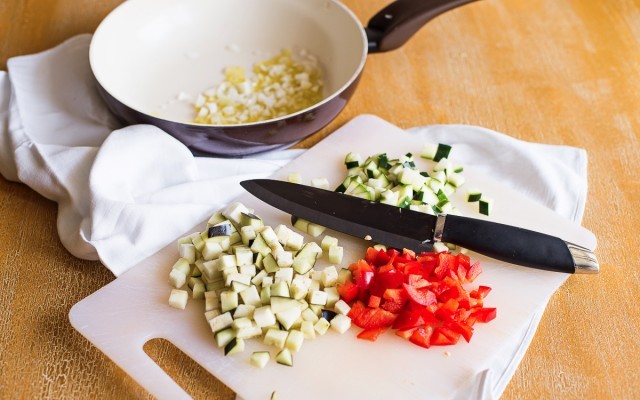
(405, 333)
(484, 314)
(481, 292)
(348, 291)
(356, 311)
(422, 336)
(407, 320)
(464, 260)
(374, 301)
(417, 281)
(391, 279)
(451, 293)
(372, 334)
(447, 310)
(474, 271)
(377, 257)
(373, 318)
(394, 300)
(423, 296)
(443, 336)
(427, 313)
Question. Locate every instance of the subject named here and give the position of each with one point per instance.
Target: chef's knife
(403, 228)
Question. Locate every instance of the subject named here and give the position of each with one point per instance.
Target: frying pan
(146, 52)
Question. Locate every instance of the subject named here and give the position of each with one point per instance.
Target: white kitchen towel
(124, 193)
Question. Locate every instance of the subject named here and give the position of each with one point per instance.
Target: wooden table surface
(551, 71)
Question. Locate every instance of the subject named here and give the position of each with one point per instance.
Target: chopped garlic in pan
(278, 86)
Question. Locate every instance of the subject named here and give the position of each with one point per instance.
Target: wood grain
(560, 72)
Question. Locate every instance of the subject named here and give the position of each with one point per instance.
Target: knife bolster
(584, 259)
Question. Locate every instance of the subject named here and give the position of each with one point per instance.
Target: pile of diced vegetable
(399, 182)
(278, 86)
(424, 297)
(259, 282)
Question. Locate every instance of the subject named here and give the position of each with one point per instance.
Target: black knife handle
(518, 246)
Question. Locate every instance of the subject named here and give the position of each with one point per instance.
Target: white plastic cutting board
(121, 317)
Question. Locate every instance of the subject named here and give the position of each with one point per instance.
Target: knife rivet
(368, 237)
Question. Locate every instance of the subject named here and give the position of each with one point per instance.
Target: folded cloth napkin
(125, 192)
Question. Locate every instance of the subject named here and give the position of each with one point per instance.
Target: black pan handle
(396, 23)
(516, 245)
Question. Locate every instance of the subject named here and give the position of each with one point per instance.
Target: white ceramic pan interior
(147, 52)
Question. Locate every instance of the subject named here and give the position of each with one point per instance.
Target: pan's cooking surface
(147, 52)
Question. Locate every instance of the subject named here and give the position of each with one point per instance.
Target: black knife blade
(403, 228)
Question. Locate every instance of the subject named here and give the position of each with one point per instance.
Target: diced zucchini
(248, 332)
(188, 252)
(342, 307)
(220, 322)
(352, 160)
(249, 219)
(177, 278)
(178, 298)
(285, 357)
(233, 212)
(332, 295)
(211, 314)
(228, 301)
(321, 326)
(243, 255)
(456, 179)
(341, 323)
(284, 258)
(216, 218)
(250, 296)
(240, 323)
(309, 315)
(442, 152)
(236, 345)
(244, 311)
(275, 337)
(344, 275)
(222, 229)
(238, 286)
(294, 340)
(306, 327)
(318, 297)
(265, 294)
(327, 242)
(295, 241)
(288, 318)
(260, 358)
(284, 274)
(270, 264)
(224, 336)
(280, 288)
(329, 276)
(260, 246)
(282, 232)
(299, 223)
(474, 195)
(315, 230)
(336, 254)
(264, 316)
(484, 205)
(279, 304)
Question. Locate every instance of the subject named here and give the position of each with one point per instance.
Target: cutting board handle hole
(190, 375)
